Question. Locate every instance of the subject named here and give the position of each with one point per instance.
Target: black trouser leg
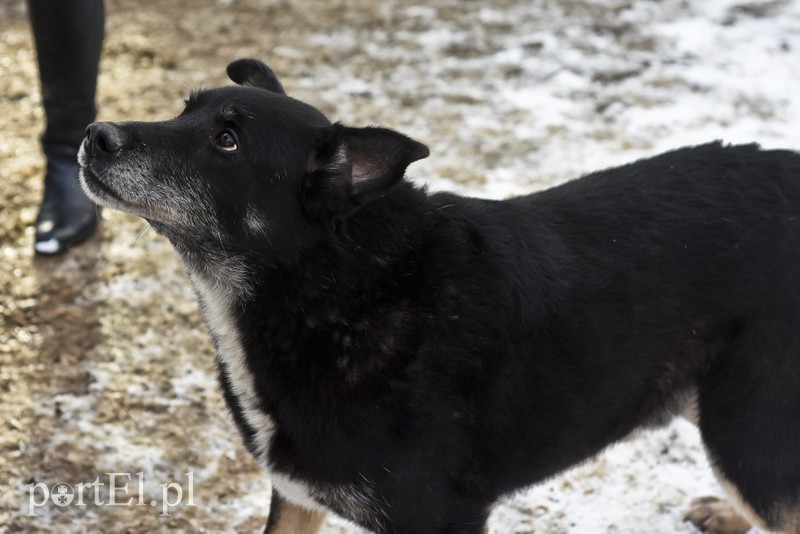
(69, 39)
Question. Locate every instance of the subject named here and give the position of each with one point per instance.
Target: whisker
(143, 232)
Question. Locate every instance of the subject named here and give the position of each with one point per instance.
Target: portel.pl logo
(117, 489)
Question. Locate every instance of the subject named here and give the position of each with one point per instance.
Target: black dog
(405, 359)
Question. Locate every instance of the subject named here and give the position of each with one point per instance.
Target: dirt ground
(105, 365)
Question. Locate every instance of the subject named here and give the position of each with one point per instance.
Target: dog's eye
(226, 140)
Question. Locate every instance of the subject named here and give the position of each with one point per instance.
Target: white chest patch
(356, 501)
(295, 492)
(218, 312)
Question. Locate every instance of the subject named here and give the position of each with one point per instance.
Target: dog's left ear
(358, 164)
(254, 73)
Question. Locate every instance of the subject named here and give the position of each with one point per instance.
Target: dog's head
(244, 167)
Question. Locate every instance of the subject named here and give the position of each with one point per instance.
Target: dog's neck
(225, 272)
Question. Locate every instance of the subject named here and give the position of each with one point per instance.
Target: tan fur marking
(690, 409)
(294, 519)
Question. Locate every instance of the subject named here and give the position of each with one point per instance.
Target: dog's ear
(254, 73)
(355, 165)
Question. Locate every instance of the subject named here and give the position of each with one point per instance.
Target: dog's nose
(102, 138)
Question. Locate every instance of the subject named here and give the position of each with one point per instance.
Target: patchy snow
(512, 97)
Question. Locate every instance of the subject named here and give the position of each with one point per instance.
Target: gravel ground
(105, 365)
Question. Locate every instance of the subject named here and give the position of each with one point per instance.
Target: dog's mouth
(99, 191)
(103, 194)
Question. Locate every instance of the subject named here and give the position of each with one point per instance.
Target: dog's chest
(219, 312)
(355, 500)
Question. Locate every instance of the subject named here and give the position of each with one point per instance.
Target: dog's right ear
(254, 73)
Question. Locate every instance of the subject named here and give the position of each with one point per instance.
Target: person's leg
(69, 39)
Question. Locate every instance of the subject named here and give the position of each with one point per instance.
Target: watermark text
(115, 489)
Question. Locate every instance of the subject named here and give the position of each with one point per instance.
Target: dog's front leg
(288, 518)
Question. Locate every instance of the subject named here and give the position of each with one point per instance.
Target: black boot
(69, 39)
(66, 216)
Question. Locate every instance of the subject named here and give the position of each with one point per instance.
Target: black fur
(444, 351)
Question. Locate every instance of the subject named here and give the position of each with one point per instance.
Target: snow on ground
(511, 96)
